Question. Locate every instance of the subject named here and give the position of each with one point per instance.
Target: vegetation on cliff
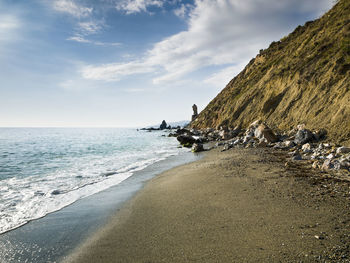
(303, 78)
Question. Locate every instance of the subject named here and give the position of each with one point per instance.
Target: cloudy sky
(130, 63)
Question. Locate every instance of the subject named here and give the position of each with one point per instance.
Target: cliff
(303, 78)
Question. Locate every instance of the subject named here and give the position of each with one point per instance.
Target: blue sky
(129, 63)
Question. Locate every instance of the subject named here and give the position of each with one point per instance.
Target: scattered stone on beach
(297, 157)
(303, 136)
(289, 143)
(262, 143)
(300, 142)
(226, 147)
(197, 147)
(327, 164)
(316, 165)
(330, 156)
(319, 237)
(343, 149)
(306, 147)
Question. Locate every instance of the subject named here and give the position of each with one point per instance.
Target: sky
(130, 63)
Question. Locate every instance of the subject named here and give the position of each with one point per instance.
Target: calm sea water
(44, 169)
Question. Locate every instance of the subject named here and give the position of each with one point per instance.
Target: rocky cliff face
(303, 78)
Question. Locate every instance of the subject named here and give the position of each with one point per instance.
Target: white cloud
(183, 10)
(79, 39)
(114, 72)
(9, 26)
(8, 22)
(220, 32)
(137, 6)
(221, 78)
(72, 8)
(82, 39)
(90, 27)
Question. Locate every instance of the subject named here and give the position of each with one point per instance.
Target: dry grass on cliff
(303, 78)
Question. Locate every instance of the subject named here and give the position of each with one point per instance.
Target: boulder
(343, 149)
(225, 135)
(255, 124)
(316, 165)
(289, 143)
(261, 143)
(330, 156)
(264, 132)
(226, 147)
(183, 131)
(327, 164)
(303, 136)
(320, 134)
(306, 147)
(186, 140)
(297, 157)
(197, 147)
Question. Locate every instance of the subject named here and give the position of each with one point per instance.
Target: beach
(241, 205)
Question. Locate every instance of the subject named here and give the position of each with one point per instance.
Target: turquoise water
(45, 169)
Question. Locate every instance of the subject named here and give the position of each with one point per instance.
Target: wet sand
(242, 205)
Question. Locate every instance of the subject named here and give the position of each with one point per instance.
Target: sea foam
(44, 170)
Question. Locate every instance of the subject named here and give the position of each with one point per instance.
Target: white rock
(306, 147)
(330, 156)
(343, 149)
(255, 124)
(236, 142)
(301, 127)
(289, 143)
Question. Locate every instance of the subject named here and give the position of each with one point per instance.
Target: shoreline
(241, 205)
(52, 237)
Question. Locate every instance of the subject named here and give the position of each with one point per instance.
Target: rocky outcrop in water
(163, 125)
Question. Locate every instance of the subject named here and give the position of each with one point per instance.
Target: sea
(43, 170)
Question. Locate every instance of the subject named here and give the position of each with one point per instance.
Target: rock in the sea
(55, 192)
(186, 140)
(197, 147)
(303, 136)
(163, 125)
(343, 149)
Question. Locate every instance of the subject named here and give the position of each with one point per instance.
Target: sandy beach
(242, 205)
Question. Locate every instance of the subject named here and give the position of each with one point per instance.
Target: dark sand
(237, 206)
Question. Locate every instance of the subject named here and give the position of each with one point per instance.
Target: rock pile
(301, 143)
